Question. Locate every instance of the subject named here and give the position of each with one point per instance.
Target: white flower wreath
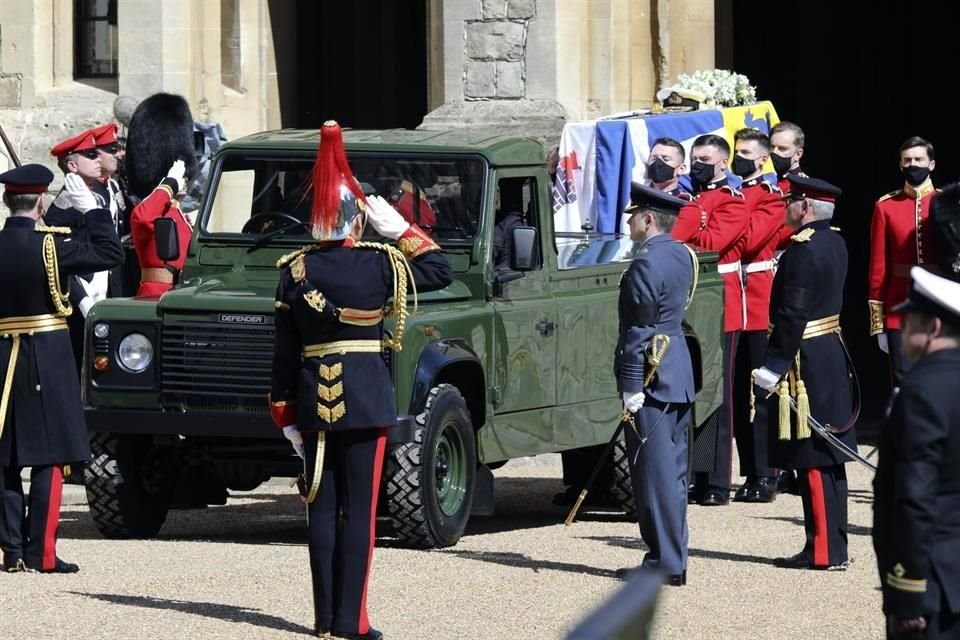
(722, 88)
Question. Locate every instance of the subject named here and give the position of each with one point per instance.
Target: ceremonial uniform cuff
(904, 596)
(283, 412)
(415, 242)
(876, 317)
(778, 365)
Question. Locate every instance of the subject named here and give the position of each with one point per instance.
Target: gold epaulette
(890, 195)
(42, 228)
(377, 246)
(290, 257)
(837, 229)
(803, 236)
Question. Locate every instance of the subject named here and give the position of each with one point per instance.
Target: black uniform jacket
(340, 391)
(653, 296)
(45, 416)
(916, 518)
(809, 287)
(62, 214)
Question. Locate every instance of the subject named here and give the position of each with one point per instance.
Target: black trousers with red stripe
(342, 526)
(28, 529)
(719, 478)
(823, 491)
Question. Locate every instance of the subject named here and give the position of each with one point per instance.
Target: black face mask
(781, 164)
(660, 171)
(914, 175)
(702, 173)
(743, 167)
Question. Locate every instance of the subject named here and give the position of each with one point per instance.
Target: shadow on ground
(226, 612)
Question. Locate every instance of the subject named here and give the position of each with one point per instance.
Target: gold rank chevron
(327, 394)
(331, 372)
(331, 415)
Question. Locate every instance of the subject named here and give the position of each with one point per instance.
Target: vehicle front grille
(216, 367)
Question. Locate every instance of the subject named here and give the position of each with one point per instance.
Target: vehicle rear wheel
(621, 486)
(430, 481)
(128, 487)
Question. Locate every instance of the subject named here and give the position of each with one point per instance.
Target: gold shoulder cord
(61, 299)
(402, 279)
(696, 274)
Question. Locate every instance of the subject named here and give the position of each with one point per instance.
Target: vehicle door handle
(546, 328)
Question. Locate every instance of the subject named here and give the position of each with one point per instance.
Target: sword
(833, 440)
(655, 350)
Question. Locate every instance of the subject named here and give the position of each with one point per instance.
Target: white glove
(292, 433)
(177, 171)
(883, 342)
(79, 194)
(633, 401)
(385, 219)
(85, 305)
(765, 379)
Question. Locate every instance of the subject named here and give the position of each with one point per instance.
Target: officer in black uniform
(41, 416)
(656, 385)
(807, 360)
(916, 517)
(80, 156)
(331, 392)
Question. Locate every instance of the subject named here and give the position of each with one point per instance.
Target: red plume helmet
(337, 195)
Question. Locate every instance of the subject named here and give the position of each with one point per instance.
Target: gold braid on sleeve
(61, 299)
(876, 317)
(402, 279)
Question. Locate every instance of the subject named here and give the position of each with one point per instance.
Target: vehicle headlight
(135, 352)
(101, 330)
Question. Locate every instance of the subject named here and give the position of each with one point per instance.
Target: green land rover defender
(499, 365)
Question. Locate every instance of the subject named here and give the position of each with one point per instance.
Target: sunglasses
(112, 149)
(89, 154)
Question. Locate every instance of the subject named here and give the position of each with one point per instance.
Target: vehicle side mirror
(166, 237)
(524, 249)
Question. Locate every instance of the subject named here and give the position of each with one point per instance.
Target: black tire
(127, 491)
(415, 471)
(621, 485)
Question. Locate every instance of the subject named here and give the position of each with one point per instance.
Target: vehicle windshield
(258, 194)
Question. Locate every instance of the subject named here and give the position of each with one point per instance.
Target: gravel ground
(240, 571)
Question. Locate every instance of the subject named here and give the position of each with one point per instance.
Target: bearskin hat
(161, 132)
(945, 220)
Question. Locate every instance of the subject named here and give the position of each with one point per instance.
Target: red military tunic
(718, 221)
(160, 202)
(900, 237)
(767, 229)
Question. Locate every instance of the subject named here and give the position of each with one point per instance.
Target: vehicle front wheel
(128, 487)
(430, 481)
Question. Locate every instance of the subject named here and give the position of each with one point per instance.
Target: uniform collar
(660, 237)
(713, 186)
(752, 182)
(796, 171)
(919, 192)
(20, 222)
(818, 225)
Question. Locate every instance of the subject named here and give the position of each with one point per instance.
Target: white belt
(730, 267)
(766, 265)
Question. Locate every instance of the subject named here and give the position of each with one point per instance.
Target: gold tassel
(803, 410)
(784, 409)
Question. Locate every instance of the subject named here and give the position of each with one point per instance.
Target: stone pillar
(498, 71)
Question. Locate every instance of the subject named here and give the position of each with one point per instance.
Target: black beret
(28, 178)
(644, 197)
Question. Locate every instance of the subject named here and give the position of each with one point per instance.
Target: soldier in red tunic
(899, 239)
(787, 143)
(767, 218)
(158, 276)
(721, 226)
